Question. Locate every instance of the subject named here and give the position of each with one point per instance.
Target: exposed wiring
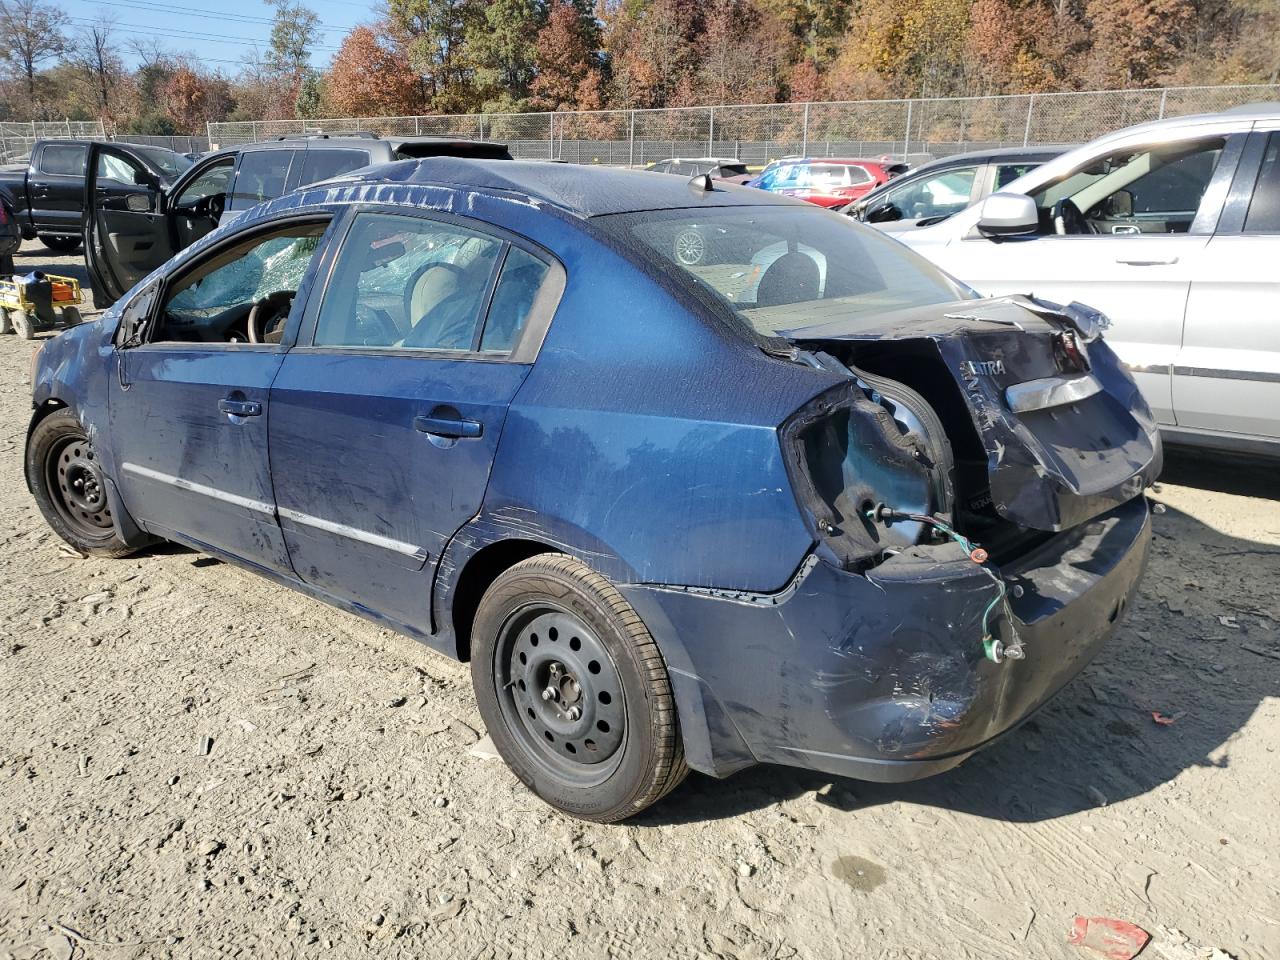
(994, 649)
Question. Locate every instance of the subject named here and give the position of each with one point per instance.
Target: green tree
(433, 33)
(293, 33)
(501, 47)
(310, 99)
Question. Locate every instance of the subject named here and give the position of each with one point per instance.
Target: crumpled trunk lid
(1059, 432)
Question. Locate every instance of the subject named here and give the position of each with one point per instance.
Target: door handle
(240, 408)
(1148, 263)
(450, 427)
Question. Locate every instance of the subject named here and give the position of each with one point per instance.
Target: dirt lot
(194, 762)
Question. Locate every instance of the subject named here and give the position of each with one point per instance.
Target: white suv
(1172, 229)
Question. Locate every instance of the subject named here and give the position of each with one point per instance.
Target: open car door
(126, 232)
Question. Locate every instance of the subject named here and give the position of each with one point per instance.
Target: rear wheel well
(477, 576)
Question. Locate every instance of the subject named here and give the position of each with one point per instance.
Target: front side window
(785, 269)
(63, 159)
(242, 295)
(940, 195)
(405, 283)
(1155, 190)
(262, 176)
(212, 182)
(1264, 207)
(112, 166)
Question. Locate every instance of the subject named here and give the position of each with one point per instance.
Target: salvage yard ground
(197, 763)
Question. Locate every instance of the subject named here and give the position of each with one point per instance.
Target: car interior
(199, 207)
(1156, 190)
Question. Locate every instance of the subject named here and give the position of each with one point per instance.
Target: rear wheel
(690, 247)
(66, 476)
(60, 244)
(574, 692)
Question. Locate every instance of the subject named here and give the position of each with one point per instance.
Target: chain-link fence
(758, 133)
(16, 139)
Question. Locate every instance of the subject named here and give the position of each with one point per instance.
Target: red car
(828, 182)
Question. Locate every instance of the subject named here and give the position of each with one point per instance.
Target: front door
(386, 415)
(190, 402)
(126, 235)
(1133, 232)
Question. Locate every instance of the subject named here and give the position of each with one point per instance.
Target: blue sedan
(806, 502)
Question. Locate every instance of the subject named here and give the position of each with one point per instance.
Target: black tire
(60, 244)
(71, 316)
(587, 766)
(67, 479)
(6, 265)
(6, 322)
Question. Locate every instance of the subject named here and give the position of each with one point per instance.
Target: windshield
(166, 161)
(785, 269)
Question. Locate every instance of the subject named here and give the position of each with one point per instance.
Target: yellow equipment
(28, 307)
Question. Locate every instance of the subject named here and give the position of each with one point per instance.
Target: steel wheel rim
(547, 663)
(78, 489)
(690, 247)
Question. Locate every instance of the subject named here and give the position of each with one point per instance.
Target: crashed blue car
(808, 503)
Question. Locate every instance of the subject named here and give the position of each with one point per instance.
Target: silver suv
(1172, 229)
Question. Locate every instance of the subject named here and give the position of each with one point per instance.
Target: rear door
(261, 175)
(1226, 378)
(386, 415)
(55, 185)
(126, 235)
(322, 163)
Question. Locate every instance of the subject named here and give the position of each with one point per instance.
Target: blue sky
(217, 32)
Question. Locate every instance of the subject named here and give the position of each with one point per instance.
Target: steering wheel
(266, 319)
(211, 206)
(1068, 220)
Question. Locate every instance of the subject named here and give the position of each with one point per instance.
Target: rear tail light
(1070, 352)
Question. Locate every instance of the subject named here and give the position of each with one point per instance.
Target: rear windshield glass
(786, 269)
(170, 163)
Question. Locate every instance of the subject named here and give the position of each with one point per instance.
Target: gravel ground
(197, 763)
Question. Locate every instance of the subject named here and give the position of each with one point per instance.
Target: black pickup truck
(47, 194)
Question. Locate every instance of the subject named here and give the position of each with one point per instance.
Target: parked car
(828, 182)
(1170, 228)
(47, 193)
(10, 237)
(670, 523)
(732, 171)
(138, 223)
(934, 191)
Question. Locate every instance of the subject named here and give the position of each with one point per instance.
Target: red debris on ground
(1114, 939)
(1163, 718)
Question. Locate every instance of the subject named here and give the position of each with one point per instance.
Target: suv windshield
(786, 269)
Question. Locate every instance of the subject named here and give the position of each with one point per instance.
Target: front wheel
(60, 244)
(574, 691)
(66, 476)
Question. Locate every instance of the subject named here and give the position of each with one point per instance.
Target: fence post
(1164, 95)
(711, 132)
(551, 135)
(804, 133)
(906, 140)
(1026, 131)
(481, 118)
(631, 140)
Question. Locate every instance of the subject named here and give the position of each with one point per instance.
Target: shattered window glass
(212, 303)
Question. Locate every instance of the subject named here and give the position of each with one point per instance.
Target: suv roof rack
(345, 134)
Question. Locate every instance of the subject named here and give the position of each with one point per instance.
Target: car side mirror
(1119, 206)
(1008, 215)
(143, 178)
(882, 213)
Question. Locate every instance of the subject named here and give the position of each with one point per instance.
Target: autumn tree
(651, 49)
(98, 60)
(568, 70)
(31, 33)
(1135, 41)
(192, 99)
(740, 53)
(370, 77)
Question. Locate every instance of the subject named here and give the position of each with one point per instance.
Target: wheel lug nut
(575, 713)
(548, 694)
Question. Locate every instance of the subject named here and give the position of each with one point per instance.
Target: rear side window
(320, 165)
(405, 283)
(63, 159)
(1264, 208)
(513, 299)
(262, 176)
(1006, 173)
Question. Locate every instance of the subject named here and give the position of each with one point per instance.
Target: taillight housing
(1069, 352)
